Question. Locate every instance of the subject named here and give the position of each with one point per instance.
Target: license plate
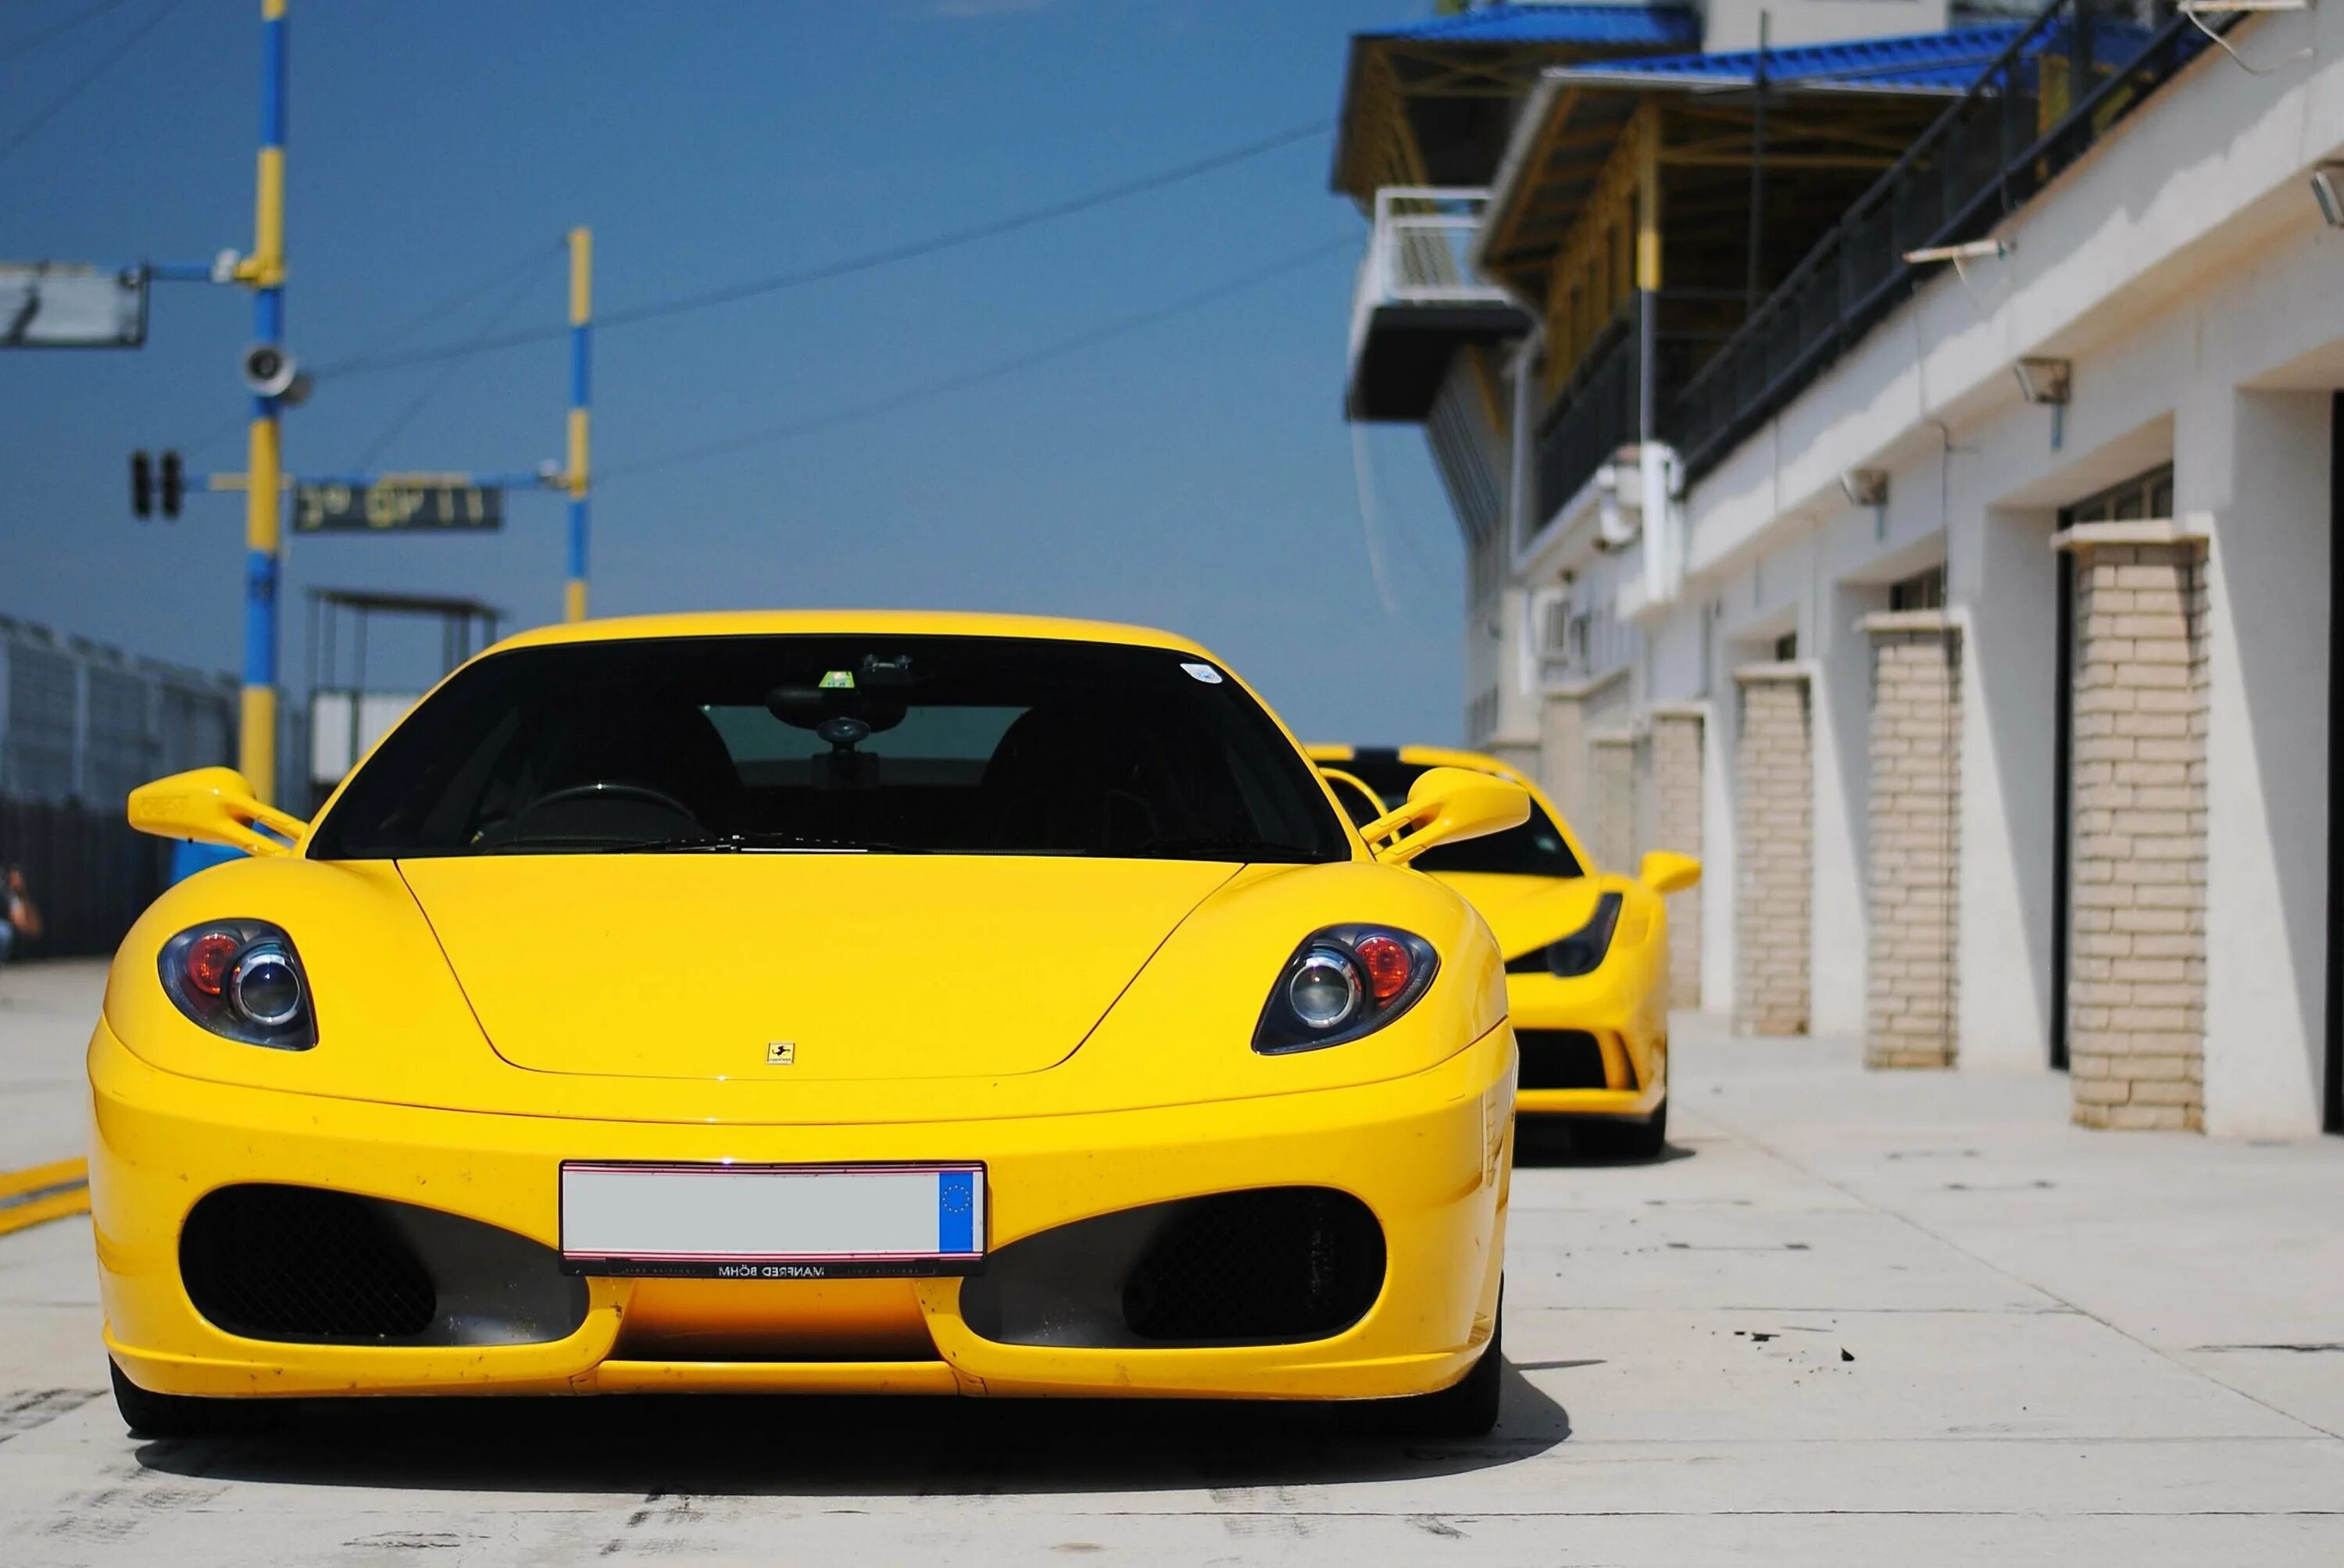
(772, 1221)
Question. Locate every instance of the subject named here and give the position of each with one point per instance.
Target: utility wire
(867, 261)
(447, 372)
(440, 309)
(105, 62)
(888, 403)
(16, 47)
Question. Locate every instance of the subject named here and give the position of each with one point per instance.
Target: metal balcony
(1419, 301)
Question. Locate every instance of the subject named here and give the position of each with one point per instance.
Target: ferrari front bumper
(1427, 1153)
(1629, 1028)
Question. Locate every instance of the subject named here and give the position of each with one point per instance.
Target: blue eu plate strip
(955, 1211)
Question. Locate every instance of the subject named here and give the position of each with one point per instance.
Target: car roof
(879, 622)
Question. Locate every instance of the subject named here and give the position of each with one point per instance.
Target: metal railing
(1419, 254)
(1980, 161)
(1595, 416)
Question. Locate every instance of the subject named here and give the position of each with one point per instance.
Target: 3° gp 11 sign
(395, 502)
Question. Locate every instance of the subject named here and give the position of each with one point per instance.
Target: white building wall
(2179, 264)
(2264, 459)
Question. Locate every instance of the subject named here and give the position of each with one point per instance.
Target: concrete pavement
(1850, 1318)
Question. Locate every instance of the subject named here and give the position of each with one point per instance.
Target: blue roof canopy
(1921, 62)
(1609, 26)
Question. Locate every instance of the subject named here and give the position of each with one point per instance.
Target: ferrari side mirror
(1445, 805)
(213, 806)
(1666, 871)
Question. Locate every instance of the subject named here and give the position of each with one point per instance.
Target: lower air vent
(299, 1263)
(303, 1265)
(1283, 1263)
(1277, 1265)
(1559, 1060)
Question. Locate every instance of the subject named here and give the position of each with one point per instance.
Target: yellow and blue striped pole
(581, 334)
(264, 270)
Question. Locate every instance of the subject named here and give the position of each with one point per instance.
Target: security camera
(269, 369)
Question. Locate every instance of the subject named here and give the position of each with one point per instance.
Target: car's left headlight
(242, 980)
(1343, 982)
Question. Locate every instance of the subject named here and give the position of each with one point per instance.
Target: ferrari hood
(1527, 912)
(744, 965)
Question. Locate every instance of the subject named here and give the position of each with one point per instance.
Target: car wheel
(170, 1415)
(1466, 1408)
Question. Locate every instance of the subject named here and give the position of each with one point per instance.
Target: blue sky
(1196, 474)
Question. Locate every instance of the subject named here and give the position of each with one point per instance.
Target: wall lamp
(2327, 187)
(2049, 381)
(2045, 380)
(1865, 487)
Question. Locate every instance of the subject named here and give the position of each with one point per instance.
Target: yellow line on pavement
(43, 1192)
(33, 1179)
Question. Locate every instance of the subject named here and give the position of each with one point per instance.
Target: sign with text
(415, 503)
(54, 305)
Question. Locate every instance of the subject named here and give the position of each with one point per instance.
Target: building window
(2145, 497)
(1786, 647)
(1921, 591)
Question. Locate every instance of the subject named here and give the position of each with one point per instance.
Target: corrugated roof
(1948, 61)
(1610, 26)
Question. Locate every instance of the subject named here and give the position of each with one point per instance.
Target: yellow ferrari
(841, 1002)
(1587, 951)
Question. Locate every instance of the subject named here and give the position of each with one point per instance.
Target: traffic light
(142, 485)
(175, 485)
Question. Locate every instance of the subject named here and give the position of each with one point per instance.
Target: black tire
(1466, 1408)
(172, 1416)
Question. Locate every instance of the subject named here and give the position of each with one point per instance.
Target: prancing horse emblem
(781, 1053)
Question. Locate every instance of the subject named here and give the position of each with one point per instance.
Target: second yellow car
(1587, 950)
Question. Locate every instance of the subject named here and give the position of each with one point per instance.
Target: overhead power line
(439, 310)
(16, 47)
(422, 399)
(105, 63)
(867, 261)
(1032, 359)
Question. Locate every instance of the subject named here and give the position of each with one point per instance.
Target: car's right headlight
(1580, 953)
(1344, 982)
(242, 980)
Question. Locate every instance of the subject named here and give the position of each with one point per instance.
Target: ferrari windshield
(1536, 848)
(837, 743)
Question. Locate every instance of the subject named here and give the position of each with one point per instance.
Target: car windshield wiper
(1249, 849)
(733, 843)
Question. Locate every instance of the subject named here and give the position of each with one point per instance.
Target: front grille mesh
(299, 1263)
(1281, 1263)
(1559, 1060)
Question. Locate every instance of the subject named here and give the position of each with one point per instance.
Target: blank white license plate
(772, 1221)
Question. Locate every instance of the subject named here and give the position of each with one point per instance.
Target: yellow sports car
(934, 1003)
(1587, 951)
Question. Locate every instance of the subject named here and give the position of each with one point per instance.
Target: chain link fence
(81, 726)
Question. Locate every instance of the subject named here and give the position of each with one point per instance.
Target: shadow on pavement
(1559, 1141)
(756, 1445)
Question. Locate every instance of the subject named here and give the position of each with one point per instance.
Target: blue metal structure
(1609, 26)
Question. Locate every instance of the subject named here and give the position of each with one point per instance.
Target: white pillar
(2258, 463)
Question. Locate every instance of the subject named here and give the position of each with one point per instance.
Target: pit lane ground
(1849, 1317)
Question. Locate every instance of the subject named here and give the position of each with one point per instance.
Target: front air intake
(1281, 1263)
(1561, 1059)
(1277, 1265)
(301, 1263)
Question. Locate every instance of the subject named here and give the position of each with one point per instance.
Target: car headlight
(1344, 982)
(1580, 953)
(242, 980)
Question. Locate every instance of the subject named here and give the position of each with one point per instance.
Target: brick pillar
(1669, 795)
(1913, 863)
(1773, 787)
(1610, 827)
(2137, 974)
